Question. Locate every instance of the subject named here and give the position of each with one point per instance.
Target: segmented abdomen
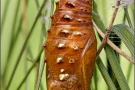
(70, 48)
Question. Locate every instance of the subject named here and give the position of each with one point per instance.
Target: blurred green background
(17, 19)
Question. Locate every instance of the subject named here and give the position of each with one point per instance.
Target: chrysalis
(71, 46)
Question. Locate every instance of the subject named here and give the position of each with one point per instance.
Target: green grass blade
(41, 86)
(95, 78)
(5, 13)
(105, 74)
(98, 21)
(37, 4)
(20, 24)
(40, 75)
(101, 8)
(40, 71)
(126, 35)
(112, 57)
(128, 18)
(130, 66)
(116, 68)
(30, 53)
(11, 44)
(24, 45)
(36, 60)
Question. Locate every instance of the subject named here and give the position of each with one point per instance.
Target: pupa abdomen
(70, 47)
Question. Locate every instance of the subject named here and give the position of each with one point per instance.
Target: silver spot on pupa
(81, 8)
(71, 4)
(75, 47)
(77, 33)
(79, 20)
(49, 69)
(71, 61)
(63, 77)
(61, 45)
(62, 70)
(65, 31)
(67, 17)
(59, 60)
(48, 76)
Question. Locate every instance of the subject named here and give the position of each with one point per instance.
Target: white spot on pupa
(75, 47)
(61, 45)
(79, 20)
(81, 8)
(71, 3)
(59, 60)
(62, 70)
(65, 31)
(77, 33)
(63, 77)
(48, 76)
(71, 61)
(67, 17)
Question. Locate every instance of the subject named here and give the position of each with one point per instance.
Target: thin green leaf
(116, 68)
(98, 21)
(105, 74)
(100, 6)
(24, 45)
(112, 57)
(36, 60)
(30, 53)
(40, 75)
(56, 0)
(128, 18)
(130, 67)
(52, 7)
(48, 14)
(5, 13)
(95, 79)
(37, 4)
(40, 71)
(126, 35)
(11, 44)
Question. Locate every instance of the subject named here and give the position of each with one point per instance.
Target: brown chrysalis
(71, 46)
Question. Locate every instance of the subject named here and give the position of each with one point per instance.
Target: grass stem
(24, 45)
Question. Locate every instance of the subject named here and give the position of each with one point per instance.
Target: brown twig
(108, 29)
(113, 45)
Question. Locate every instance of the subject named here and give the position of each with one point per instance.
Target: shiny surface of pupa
(71, 46)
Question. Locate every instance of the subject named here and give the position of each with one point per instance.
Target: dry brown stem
(108, 29)
(113, 45)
